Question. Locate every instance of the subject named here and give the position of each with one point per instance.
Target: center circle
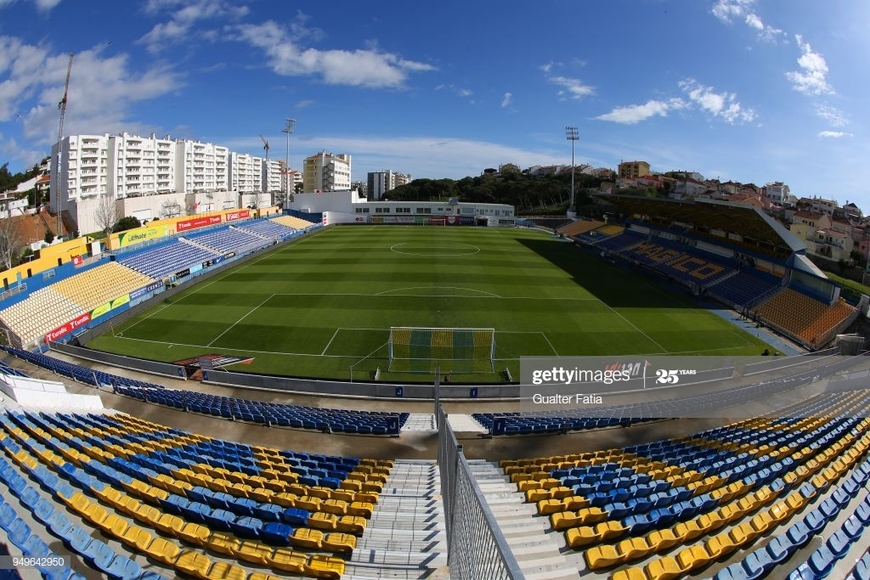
(437, 249)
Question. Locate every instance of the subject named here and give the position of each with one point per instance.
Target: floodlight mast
(572, 135)
(288, 128)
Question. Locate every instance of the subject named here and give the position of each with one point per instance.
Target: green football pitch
(323, 305)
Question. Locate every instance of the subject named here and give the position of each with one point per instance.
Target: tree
(170, 208)
(280, 198)
(10, 242)
(107, 213)
(49, 236)
(126, 223)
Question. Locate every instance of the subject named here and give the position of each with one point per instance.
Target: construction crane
(62, 106)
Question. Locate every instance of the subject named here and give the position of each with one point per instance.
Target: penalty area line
(328, 344)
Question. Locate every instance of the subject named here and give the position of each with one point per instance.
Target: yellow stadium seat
(254, 552)
(661, 540)
(603, 556)
(665, 568)
(348, 524)
(194, 533)
(720, 545)
(634, 548)
(324, 567)
(222, 543)
(193, 563)
(226, 571)
(163, 550)
(137, 537)
(288, 561)
(340, 543)
(169, 523)
(629, 574)
(307, 538)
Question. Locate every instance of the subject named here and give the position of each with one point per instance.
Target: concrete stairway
(540, 555)
(405, 537)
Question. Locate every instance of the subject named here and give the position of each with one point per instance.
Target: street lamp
(288, 128)
(572, 136)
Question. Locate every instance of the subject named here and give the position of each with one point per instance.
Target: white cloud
(834, 134)
(728, 11)
(572, 88)
(103, 90)
(506, 100)
(832, 115)
(43, 5)
(812, 78)
(185, 14)
(722, 105)
(632, 114)
(370, 68)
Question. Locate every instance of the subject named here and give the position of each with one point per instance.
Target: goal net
(455, 350)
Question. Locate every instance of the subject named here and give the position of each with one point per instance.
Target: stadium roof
(747, 221)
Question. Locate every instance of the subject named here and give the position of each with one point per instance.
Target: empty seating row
(801, 316)
(295, 222)
(52, 306)
(93, 551)
(579, 227)
(230, 239)
(629, 414)
(268, 229)
(78, 373)
(742, 288)
(273, 414)
(220, 523)
(167, 259)
(621, 505)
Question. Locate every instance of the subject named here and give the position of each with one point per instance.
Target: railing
(476, 546)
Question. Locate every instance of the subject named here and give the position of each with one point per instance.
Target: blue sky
(750, 90)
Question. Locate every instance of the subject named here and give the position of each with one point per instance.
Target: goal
(455, 350)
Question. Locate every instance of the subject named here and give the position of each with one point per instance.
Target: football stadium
(253, 394)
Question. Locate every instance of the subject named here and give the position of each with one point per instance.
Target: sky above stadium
(749, 90)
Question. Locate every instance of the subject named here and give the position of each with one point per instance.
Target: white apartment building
(140, 165)
(246, 173)
(326, 172)
(380, 182)
(292, 178)
(777, 192)
(82, 169)
(201, 167)
(273, 176)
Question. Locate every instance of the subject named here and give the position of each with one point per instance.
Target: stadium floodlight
(288, 128)
(572, 135)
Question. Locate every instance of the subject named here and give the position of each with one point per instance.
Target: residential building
(273, 176)
(326, 172)
(201, 167)
(380, 182)
(777, 192)
(805, 223)
(633, 169)
(81, 169)
(689, 186)
(140, 165)
(246, 173)
(853, 212)
(824, 237)
(819, 204)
